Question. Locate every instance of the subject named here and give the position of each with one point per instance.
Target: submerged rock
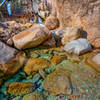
(20, 88)
(78, 47)
(72, 33)
(31, 37)
(33, 96)
(58, 82)
(57, 59)
(94, 61)
(11, 60)
(35, 64)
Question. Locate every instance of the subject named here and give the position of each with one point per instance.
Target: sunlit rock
(31, 37)
(72, 33)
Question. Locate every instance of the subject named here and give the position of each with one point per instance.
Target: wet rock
(94, 61)
(33, 96)
(52, 23)
(42, 73)
(72, 33)
(58, 82)
(50, 42)
(35, 64)
(19, 88)
(57, 59)
(75, 59)
(31, 37)
(78, 47)
(11, 60)
(17, 98)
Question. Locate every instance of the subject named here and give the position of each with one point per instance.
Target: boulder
(11, 60)
(94, 61)
(20, 88)
(78, 46)
(31, 37)
(58, 82)
(35, 64)
(80, 13)
(72, 33)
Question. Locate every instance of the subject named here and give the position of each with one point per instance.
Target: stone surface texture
(79, 46)
(35, 64)
(31, 37)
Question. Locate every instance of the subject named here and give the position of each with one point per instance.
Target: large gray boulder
(78, 47)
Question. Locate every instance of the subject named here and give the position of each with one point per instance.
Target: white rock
(78, 46)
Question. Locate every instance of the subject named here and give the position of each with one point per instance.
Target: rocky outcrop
(35, 64)
(78, 47)
(80, 13)
(11, 60)
(52, 22)
(19, 88)
(58, 82)
(31, 37)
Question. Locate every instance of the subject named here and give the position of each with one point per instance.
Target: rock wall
(80, 12)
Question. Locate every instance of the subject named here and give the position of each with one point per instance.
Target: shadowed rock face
(10, 60)
(6, 53)
(84, 13)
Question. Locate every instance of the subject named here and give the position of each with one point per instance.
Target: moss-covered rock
(35, 64)
(20, 88)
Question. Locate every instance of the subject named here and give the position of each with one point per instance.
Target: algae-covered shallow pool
(52, 74)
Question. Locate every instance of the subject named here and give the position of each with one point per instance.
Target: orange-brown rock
(58, 82)
(72, 33)
(80, 13)
(35, 64)
(11, 60)
(57, 59)
(18, 88)
(31, 37)
(94, 61)
(52, 22)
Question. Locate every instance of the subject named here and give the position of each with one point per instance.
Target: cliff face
(79, 12)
